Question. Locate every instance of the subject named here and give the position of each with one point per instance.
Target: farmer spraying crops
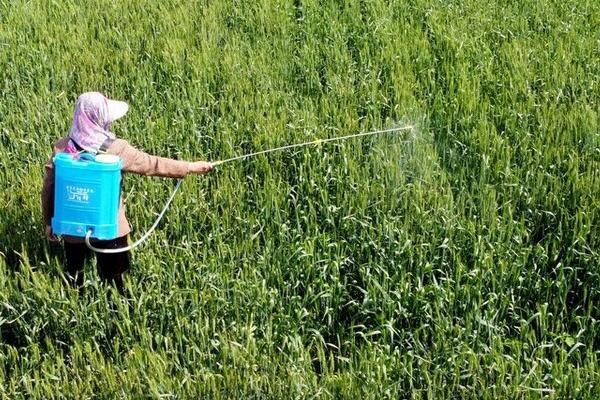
(81, 198)
(91, 136)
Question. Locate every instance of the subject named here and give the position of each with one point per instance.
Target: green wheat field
(460, 259)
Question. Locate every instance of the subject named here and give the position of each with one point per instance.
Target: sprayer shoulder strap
(105, 145)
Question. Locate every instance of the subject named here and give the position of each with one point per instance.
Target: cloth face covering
(91, 123)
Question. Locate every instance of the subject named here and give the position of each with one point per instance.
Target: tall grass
(460, 261)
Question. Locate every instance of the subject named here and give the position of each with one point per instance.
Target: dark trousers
(110, 266)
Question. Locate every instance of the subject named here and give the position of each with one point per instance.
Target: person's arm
(48, 199)
(142, 163)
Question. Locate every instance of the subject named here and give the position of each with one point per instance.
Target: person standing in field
(91, 132)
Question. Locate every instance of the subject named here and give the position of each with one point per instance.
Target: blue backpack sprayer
(88, 188)
(86, 195)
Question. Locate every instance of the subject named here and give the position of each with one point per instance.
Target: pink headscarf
(91, 123)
